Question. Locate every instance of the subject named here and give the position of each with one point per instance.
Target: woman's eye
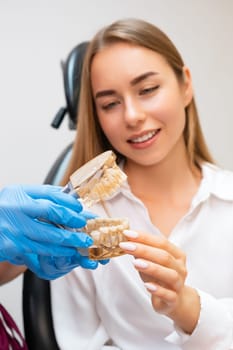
(148, 90)
(110, 105)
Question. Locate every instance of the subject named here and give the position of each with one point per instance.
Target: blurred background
(36, 35)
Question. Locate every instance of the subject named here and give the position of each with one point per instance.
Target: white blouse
(111, 302)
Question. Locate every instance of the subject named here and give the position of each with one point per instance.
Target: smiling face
(140, 103)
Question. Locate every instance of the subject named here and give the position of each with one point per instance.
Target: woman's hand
(162, 266)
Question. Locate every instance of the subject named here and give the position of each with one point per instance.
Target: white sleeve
(76, 322)
(214, 330)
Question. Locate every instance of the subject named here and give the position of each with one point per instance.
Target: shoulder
(219, 181)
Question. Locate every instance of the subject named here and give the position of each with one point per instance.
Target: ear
(187, 86)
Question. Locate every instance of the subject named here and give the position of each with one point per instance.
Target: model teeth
(104, 180)
(144, 137)
(107, 233)
(96, 181)
(101, 187)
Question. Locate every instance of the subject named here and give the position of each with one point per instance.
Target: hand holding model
(29, 235)
(162, 267)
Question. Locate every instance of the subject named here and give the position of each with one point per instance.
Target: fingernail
(140, 264)
(127, 246)
(130, 233)
(150, 286)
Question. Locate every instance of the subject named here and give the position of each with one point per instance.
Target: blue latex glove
(25, 239)
(51, 267)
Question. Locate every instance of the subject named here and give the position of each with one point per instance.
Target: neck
(166, 179)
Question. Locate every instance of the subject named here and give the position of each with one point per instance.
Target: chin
(145, 161)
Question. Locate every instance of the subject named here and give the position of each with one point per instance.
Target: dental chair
(37, 313)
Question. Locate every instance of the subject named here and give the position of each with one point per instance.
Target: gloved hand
(24, 238)
(51, 267)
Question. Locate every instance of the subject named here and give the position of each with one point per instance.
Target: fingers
(76, 239)
(151, 253)
(47, 239)
(54, 213)
(161, 266)
(44, 232)
(63, 216)
(85, 262)
(47, 249)
(162, 275)
(44, 268)
(88, 215)
(49, 203)
(52, 194)
(154, 241)
(163, 300)
(50, 267)
(66, 264)
(65, 199)
(104, 262)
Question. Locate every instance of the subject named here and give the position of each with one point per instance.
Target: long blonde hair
(90, 139)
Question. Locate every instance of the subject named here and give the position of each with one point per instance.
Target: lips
(144, 137)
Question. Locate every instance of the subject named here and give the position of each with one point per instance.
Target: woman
(173, 289)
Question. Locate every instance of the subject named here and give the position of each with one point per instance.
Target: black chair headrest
(72, 69)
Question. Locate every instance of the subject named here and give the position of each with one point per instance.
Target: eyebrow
(133, 82)
(142, 77)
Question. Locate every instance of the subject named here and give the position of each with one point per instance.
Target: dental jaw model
(96, 181)
(107, 234)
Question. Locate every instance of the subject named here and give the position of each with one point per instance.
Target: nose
(134, 113)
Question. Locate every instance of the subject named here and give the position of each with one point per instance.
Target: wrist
(187, 312)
